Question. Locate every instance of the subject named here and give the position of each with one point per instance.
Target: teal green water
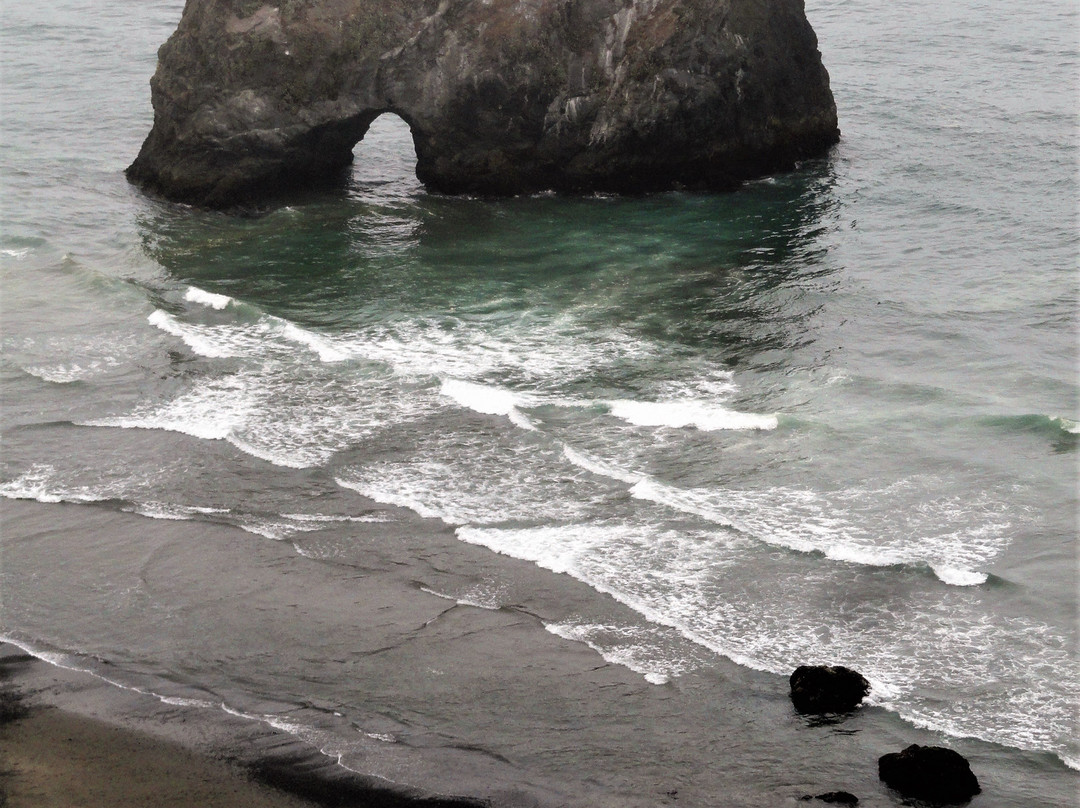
(831, 417)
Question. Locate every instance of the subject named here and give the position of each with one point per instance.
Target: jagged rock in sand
(827, 689)
(931, 773)
(252, 100)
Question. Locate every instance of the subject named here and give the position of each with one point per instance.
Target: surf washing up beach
(538, 501)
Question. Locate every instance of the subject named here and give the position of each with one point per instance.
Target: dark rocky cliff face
(253, 100)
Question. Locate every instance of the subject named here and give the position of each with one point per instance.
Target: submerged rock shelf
(254, 100)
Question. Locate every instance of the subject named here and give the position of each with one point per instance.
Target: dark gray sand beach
(69, 739)
(448, 700)
(55, 758)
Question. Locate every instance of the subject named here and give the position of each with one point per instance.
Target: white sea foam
(289, 526)
(294, 728)
(456, 493)
(632, 648)
(322, 518)
(486, 399)
(534, 351)
(44, 484)
(289, 415)
(949, 536)
(268, 528)
(52, 657)
(269, 337)
(647, 488)
(320, 345)
(64, 373)
(757, 616)
(202, 297)
(170, 510)
(474, 598)
(705, 384)
(882, 693)
(479, 478)
(1068, 425)
(41, 483)
(387, 494)
(303, 426)
(631, 563)
(380, 736)
(494, 479)
(286, 525)
(211, 411)
(959, 577)
(481, 473)
(328, 742)
(290, 457)
(208, 341)
(600, 468)
(702, 415)
(16, 254)
(176, 701)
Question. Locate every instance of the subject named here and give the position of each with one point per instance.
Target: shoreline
(442, 698)
(54, 755)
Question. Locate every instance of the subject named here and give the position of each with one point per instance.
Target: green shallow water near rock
(651, 453)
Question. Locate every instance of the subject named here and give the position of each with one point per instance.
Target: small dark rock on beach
(827, 689)
(930, 773)
(834, 798)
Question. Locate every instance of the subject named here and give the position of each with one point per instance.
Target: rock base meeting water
(254, 101)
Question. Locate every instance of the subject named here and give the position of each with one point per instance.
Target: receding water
(831, 417)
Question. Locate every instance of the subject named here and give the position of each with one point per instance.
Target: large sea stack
(253, 100)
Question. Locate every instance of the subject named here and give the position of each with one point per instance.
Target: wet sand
(51, 757)
(54, 758)
(428, 698)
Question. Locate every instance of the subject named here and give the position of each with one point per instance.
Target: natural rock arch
(253, 100)
(355, 130)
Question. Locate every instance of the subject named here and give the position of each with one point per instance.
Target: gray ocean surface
(831, 417)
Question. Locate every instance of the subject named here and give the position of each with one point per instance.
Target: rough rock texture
(931, 773)
(827, 689)
(253, 99)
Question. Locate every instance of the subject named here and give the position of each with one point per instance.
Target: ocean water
(831, 417)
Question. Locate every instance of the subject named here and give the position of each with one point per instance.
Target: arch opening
(385, 157)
